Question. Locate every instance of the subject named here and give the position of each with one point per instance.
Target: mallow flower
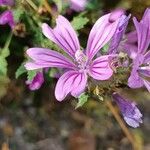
(129, 110)
(141, 61)
(7, 18)
(7, 2)
(36, 82)
(79, 63)
(78, 5)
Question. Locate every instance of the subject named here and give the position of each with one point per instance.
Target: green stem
(5, 50)
(6, 46)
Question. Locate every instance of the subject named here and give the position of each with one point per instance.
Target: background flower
(7, 18)
(36, 82)
(78, 5)
(7, 2)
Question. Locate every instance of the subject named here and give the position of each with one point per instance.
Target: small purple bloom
(129, 110)
(7, 18)
(141, 60)
(116, 39)
(79, 64)
(78, 5)
(114, 45)
(7, 2)
(37, 81)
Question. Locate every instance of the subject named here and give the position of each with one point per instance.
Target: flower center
(81, 59)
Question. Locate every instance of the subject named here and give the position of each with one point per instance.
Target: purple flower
(79, 64)
(78, 5)
(129, 46)
(7, 2)
(37, 81)
(130, 112)
(141, 61)
(7, 18)
(116, 39)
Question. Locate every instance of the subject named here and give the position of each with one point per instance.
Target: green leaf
(3, 66)
(53, 72)
(59, 4)
(17, 13)
(31, 74)
(79, 22)
(83, 98)
(3, 62)
(5, 52)
(20, 71)
(105, 48)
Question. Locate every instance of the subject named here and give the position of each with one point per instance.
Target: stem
(32, 5)
(121, 123)
(8, 41)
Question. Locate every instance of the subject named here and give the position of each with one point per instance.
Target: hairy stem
(121, 123)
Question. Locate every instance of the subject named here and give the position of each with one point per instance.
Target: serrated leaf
(20, 71)
(83, 98)
(31, 74)
(79, 22)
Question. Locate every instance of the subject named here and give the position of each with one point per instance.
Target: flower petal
(78, 5)
(135, 81)
(70, 82)
(143, 34)
(130, 49)
(43, 58)
(63, 35)
(116, 39)
(7, 18)
(144, 71)
(7, 2)
(131, 122)
(147, 57)
(100, 68)
(101, 33)
(132, 37)
(147, 84)
(146, 16)
(37, 81)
